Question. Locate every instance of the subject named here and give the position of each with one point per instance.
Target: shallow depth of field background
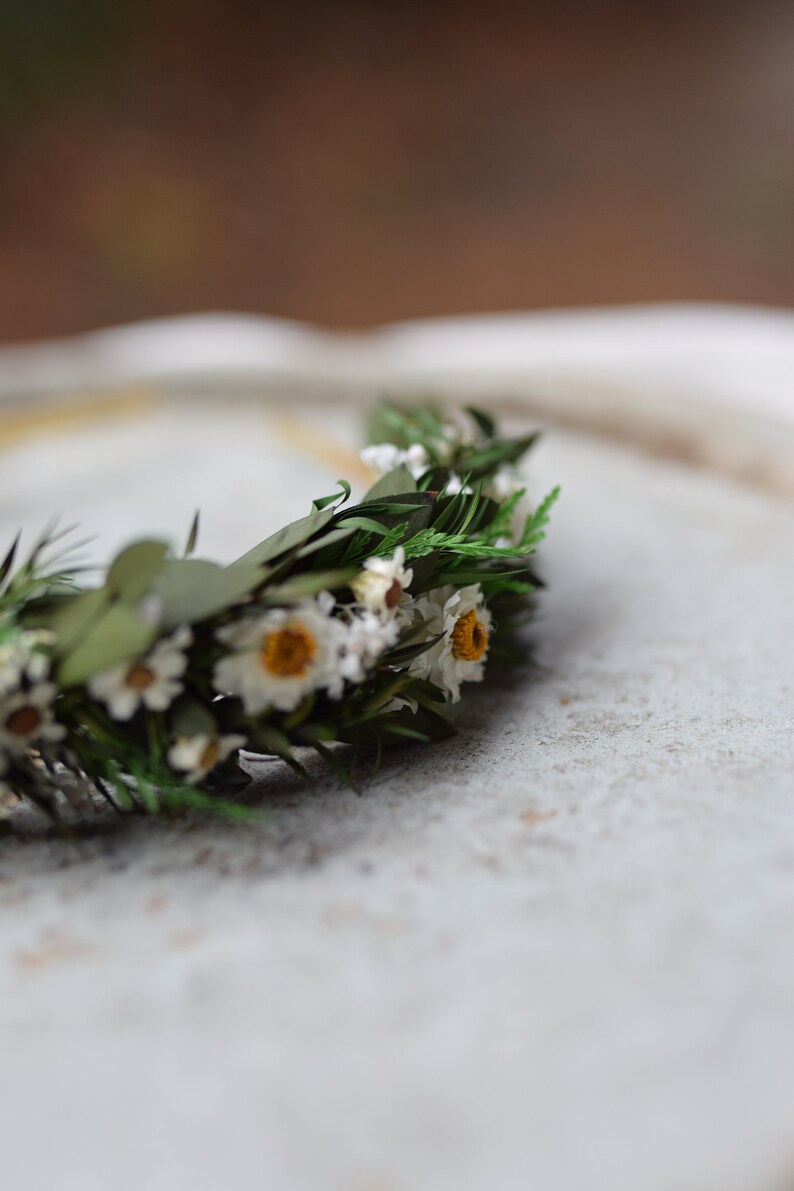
(355, 162)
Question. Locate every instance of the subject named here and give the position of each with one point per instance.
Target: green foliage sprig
(355, 625)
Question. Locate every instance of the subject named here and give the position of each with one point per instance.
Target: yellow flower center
(288, 652)
(393, 595)
(24, 721)
(469, 637)
(140, 678)
(209, 758)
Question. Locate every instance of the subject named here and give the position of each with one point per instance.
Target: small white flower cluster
(385, 456)
(506, 482)
(26, 698)
(278, 658)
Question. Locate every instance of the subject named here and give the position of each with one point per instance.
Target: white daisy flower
(381, 458)
(462, 622)
(381, 586)
(365, 638)
(151, 682)
(279, 657)
(26, 718)
(196, 756)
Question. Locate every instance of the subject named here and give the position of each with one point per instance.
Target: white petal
(122, 703)
(161, 694)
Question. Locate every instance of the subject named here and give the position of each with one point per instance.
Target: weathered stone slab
(554, 952)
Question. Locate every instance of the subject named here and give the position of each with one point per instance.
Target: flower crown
(355, 625)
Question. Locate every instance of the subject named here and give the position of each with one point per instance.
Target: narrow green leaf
(192, 537)
(396, 729)
(336, 765)
(322, 502)
(366, 523)
(483, 420)
(8, 561)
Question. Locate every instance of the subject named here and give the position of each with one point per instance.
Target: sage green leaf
(328, 539)
(367, 524)
(191, 589)
(120, 635)
(394, 483)
(133, 570)
(75, 617)
(286, 539)
(300, 587)
(387, 506)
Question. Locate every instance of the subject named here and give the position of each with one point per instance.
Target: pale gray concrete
(554, 953)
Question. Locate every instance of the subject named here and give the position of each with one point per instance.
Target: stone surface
(711, 384)
(554, 952)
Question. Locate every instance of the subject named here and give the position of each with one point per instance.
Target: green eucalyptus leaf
(383, 507)
(289, 538)
(74, 618)
(328, 539)
(301, 587)
(368, 524)
(120, 635)
(191, 589)
(394, 483)
(133, 570)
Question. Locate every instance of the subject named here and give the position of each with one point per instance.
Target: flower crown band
(355, 625)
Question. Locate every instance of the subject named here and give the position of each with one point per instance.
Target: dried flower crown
(354, 625)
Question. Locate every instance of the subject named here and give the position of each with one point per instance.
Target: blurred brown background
(355, 162)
